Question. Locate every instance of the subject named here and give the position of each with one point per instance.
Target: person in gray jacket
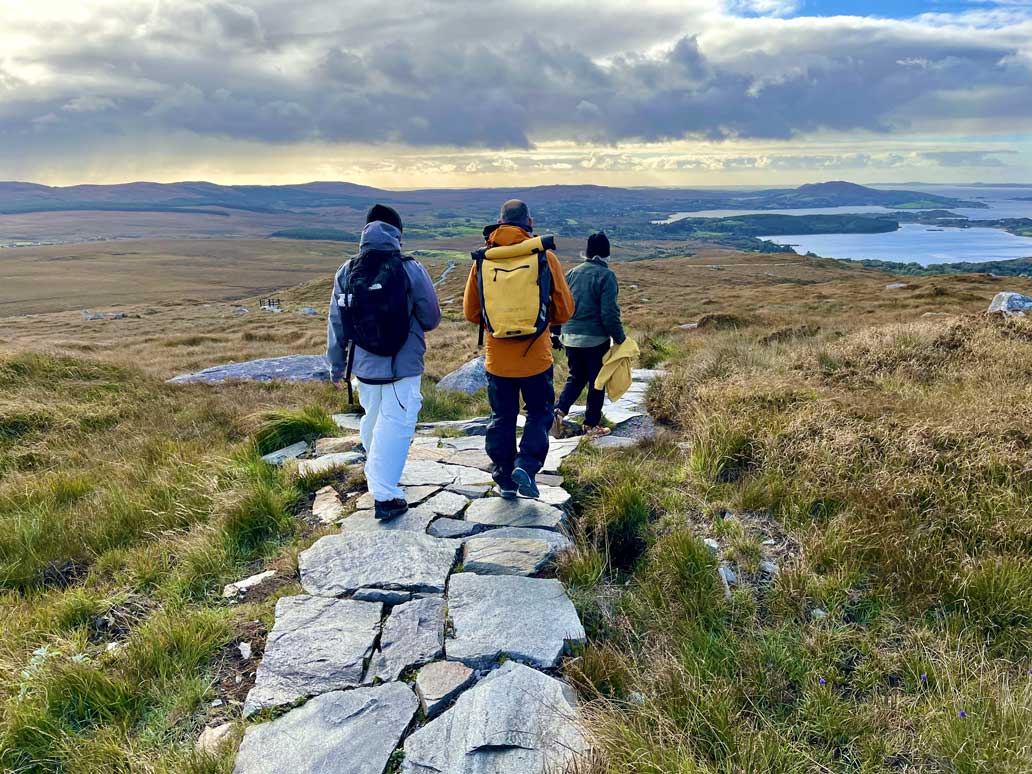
(587, 335)
(389, 387)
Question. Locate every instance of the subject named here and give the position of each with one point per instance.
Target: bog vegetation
(813, 420)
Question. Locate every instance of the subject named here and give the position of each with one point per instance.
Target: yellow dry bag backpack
(515, 288)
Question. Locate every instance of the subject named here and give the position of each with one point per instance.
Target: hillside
(814, 420)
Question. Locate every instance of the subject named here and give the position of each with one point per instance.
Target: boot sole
(525, 484)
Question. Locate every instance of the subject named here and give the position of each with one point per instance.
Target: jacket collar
(597, 260)
(504, 234)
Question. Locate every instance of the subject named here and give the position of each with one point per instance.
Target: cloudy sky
(484, 92)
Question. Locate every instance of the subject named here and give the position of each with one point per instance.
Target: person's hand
(557, 343)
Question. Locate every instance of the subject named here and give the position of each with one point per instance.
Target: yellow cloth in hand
(615, 376)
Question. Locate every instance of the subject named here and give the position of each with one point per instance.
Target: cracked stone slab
(612, 442)
(337, 444)
(395, 560)
(470, 459)
(413, 520)
(557, 452)
(446, 504)
(328, 462)
(557, 540)
(496, 512)
(317, 645)
(514, 721)
(412, 636)
(454, 528)
(291, 452)
(554, 495)
(472, 491)
(489, 555)
(440, 682)
(351, 422)
(328, 507)
(354, 731)
(530, 620)
(426, 473)
(469, 476)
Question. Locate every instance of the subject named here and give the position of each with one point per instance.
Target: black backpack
(375, 308)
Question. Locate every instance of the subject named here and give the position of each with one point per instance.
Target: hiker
(586, 337)
(367, 336)
(515, 291)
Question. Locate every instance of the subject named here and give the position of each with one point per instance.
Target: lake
(915, 243)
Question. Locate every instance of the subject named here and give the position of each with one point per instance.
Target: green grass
(283, 427)
(890, 504)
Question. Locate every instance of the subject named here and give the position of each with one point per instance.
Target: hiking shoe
(525, 483)
(598, 431)
(390, 509)
(505, 486)
(559, 425)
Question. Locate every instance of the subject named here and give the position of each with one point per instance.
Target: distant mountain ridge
(18, 197)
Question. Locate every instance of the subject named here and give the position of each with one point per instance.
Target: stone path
(429, 639)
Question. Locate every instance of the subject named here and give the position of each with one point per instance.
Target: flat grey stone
(488, 555)
(396, 560)
(514, 721)
(472, 491)
(471, 443)
(328, 462)
(557, 452)
(328, 507)
(526, 619)
(351, 422)
(345, 731)
(426, 473)
(243, 586)
(440, 682)
(412, 636)
(548, 479)
(612, 442)
(291, 452)
(292, 368)
(469, 459)
(557, 540)
(446, 504)
(465, 476)
(496, 512)
(553, 495)
(385, 596)
(647, 374)
(469, 379)
(639, 428)
(337, 444)
(317, 645)
(454, 528)
(413, 520)
(617, 414)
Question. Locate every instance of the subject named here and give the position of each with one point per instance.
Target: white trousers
(391, 413)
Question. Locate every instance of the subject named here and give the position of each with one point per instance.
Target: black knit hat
(385, 214)
(598, 245)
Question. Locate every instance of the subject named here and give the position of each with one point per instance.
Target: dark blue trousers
(504, 393)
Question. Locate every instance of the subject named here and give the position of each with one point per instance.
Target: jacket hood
(380, 236)
(505, 234)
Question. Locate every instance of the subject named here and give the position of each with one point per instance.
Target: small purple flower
(962, 714)
(924, 678)
(822, 681)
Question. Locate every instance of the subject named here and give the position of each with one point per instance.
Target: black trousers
(585, 363)
(539, 399)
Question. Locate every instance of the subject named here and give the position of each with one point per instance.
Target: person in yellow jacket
(517, 368)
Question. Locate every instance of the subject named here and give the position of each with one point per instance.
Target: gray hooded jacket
(424, 315)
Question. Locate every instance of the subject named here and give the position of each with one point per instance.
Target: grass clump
(283, 427)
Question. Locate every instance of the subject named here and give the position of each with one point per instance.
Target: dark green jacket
(595, 292)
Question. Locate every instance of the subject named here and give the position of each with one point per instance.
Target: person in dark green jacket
(587, 336)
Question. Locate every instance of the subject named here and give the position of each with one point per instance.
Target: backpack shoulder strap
(478, 260)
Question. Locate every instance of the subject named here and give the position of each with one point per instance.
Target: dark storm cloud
(472, 75)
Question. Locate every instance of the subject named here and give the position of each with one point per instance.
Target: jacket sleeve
(425, 306)
(611, 308)
(563, 305)
(336, 341)
(471, 298)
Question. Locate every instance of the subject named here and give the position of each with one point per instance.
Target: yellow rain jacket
(615, 376)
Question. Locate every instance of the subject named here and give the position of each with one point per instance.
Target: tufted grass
(893, 466)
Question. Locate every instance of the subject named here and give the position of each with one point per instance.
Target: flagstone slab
(446, 504)
(395, 560)
(316, 645)
(530, 620)
(414, 495)
(337, 444)
(489, 555)
(440, 682)
(427, 473)
(352, 731)
(514, 721)
(496, 512)
(556, 540)
(412, 636)
(413, 520)
(291, 452)
(554, 495)
(329, 462)
(351, 422)
(455, 528)
(328, 507)
(557, 452)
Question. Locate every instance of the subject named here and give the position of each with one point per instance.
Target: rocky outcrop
(1009, 304)
(292, 368)
(469, 379)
